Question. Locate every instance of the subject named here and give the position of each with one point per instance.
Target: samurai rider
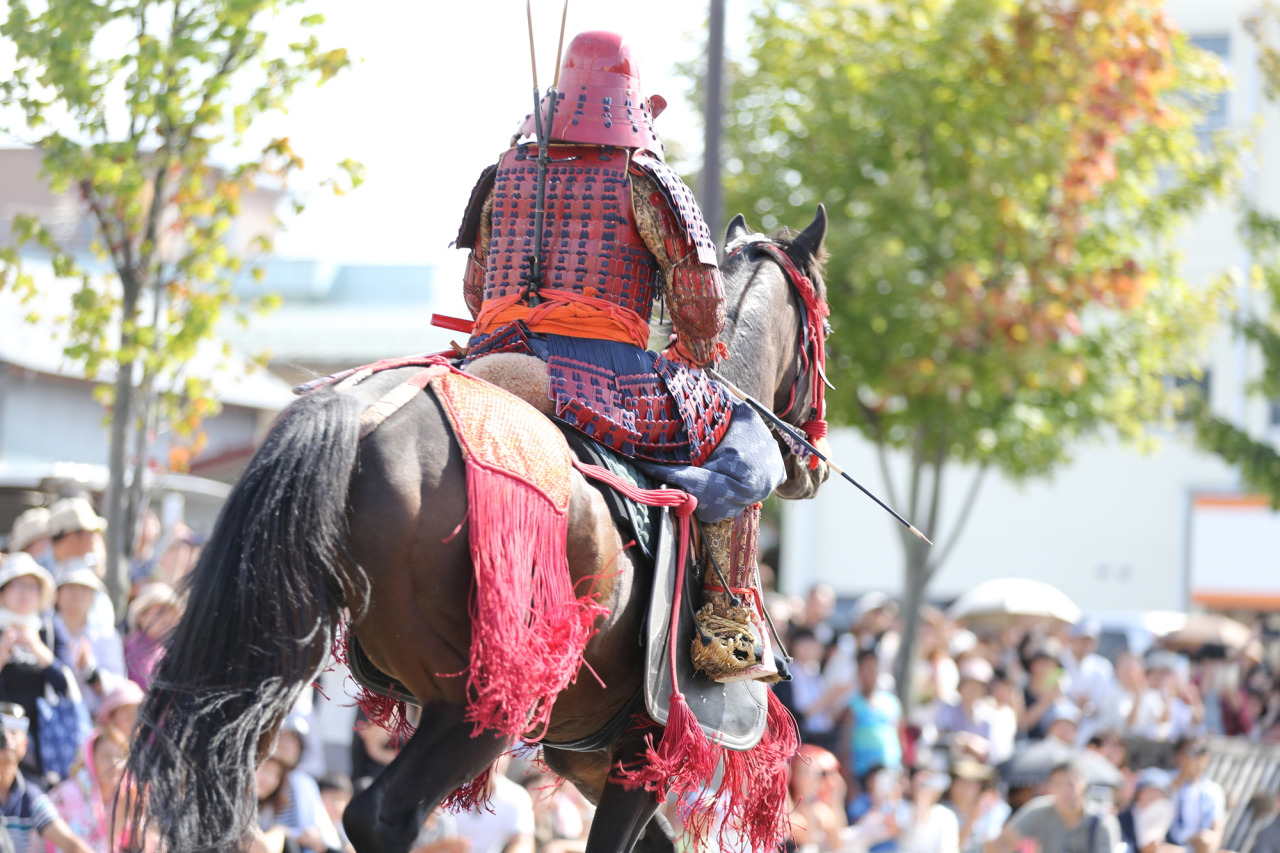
(620, 232)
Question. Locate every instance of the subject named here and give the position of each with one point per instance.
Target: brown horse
(323, 521)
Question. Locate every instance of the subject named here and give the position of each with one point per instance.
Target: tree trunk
(117, 536)
(119, 540)
(917, 577)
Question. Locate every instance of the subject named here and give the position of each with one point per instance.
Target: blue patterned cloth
(744, 469)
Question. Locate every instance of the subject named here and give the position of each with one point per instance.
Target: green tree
(127, 100)
(1005, 179)
(1257, 460)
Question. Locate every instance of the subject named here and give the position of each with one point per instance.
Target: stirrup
(732, 643)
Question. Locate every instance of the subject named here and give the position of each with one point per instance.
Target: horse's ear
(737, 228)
(810, 239)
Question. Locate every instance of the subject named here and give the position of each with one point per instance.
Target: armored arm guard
(674, 231)
(474, 234)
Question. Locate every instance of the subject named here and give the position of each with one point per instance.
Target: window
(1216, 106)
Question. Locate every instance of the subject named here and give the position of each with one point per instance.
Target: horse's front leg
(440, 757)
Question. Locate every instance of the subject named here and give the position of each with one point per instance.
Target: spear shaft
(793, 434)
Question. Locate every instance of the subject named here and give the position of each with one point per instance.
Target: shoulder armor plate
(682, 202)
(470, 227)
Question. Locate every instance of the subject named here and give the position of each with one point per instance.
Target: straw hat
(28, 527)
(72, 514)
(79, 571)
(149, 596)
(23, 564)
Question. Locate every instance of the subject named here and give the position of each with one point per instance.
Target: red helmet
(600, 101)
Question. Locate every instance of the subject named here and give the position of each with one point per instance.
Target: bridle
(813, 352)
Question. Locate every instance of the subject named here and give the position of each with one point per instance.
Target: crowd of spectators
(73, 673)
(1019, 737)
(72, 676)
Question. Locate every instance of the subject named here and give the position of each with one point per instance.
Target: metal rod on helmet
(533, 55)
(795, 435)
(564, 16)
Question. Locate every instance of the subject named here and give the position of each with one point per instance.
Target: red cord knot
(815, 429)
(686, 507)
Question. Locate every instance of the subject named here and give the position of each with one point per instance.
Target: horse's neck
(762, 335)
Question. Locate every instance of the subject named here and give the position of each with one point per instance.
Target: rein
(813, 351)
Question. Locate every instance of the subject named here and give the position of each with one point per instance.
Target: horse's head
(776, 333)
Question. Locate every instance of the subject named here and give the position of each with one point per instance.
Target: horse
(323, 522)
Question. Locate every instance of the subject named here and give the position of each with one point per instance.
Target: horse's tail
(264, 597)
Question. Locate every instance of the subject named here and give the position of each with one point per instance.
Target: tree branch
(882, 458)
(970, 500)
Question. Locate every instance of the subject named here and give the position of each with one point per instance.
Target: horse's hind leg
(439, 757)
(625, 820)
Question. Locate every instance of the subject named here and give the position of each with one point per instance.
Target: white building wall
(1113, 528)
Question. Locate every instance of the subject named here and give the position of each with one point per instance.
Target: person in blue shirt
(871, 722)
(27, 815)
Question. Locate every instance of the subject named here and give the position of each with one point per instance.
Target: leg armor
(732, 642)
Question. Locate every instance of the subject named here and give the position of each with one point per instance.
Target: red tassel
(753, 788)
(683, 759)
(528, 630)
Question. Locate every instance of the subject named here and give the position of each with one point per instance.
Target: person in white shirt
(96, 650)
(1170, 708)
(931, 827)
(1091, 676)
(507, 824)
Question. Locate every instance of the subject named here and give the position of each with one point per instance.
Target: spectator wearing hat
(27, 814)
(1045, 687)
(1144, 824)
(96, 651)
(1090, 674)
(76, 531)
(965, 725)
(1062, 821)
(1062, 723)
(980, 810)
(31, 534)
(153, 613)
(33, 650)
(77, 537)
(1199, 804)
(119, 709)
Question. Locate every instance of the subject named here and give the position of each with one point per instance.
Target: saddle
(732, 715)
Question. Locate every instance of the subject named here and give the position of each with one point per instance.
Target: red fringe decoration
(528, 630)
(748, 808)
(386, 712)
(473, 796)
